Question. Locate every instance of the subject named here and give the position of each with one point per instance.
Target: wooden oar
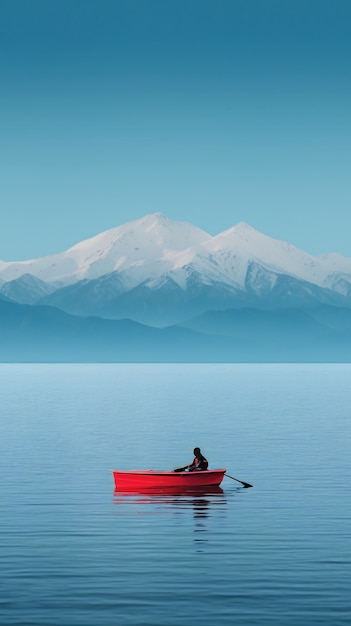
(181, 469)
(238, 481)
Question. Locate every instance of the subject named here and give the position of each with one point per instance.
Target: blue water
(73, 552)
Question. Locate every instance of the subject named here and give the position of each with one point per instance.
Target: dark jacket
(199, 463)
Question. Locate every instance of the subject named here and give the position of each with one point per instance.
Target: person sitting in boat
(199, 463)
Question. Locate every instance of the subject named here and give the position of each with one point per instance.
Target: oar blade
(246, 485)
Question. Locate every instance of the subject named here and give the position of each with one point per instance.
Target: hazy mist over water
(73, 552)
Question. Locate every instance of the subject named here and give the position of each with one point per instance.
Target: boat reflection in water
(170, 491)
(205, 502)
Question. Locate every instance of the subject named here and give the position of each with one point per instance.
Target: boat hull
(150, 479)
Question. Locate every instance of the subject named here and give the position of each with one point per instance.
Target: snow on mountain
(242, 245)
(145, 247)
(148, 250)
(339, 282)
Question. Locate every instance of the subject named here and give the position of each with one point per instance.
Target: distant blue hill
(168, 303)
(42, 333)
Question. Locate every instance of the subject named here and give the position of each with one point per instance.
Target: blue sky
(208, 111)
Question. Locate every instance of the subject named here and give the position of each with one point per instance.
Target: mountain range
(158, 271)
(156, 289)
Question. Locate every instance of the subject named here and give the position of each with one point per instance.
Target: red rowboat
(133, 480)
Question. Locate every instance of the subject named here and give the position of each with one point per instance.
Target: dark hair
(198, 454)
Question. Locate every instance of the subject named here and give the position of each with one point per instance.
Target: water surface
(73, 552)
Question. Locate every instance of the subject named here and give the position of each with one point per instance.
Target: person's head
(197, 451)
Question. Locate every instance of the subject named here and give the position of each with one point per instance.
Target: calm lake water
(73, 552)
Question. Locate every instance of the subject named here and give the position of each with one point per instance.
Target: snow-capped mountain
(145, 248)
(152, 265)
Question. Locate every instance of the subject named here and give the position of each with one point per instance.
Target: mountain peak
(156, 246)
(153, 218)
(243, 226)
(158, 216)
(244, 229)
(241, 232)
(156, 220)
